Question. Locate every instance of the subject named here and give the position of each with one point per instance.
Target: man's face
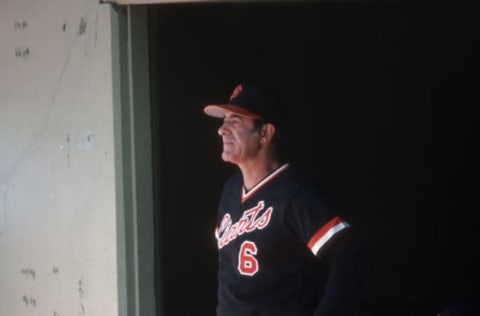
(241, 142)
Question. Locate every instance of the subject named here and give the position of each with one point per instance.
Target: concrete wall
(57, 183)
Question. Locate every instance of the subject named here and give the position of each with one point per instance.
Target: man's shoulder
(298, 176)
(305, 184)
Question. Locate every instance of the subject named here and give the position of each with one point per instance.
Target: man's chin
(227, 158)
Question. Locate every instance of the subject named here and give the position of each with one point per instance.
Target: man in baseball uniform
(283, 250)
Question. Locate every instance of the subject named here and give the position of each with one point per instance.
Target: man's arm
(348, 266)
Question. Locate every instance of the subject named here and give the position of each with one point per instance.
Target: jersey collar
(246, 194)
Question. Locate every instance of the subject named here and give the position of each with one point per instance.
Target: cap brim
(219, 110)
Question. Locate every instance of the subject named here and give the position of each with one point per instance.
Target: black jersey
(270, 240)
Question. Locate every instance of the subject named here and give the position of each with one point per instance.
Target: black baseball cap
(250, 100)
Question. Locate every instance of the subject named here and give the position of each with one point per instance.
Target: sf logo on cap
(236, 91)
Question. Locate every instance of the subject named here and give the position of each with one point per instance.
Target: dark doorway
(380, 105)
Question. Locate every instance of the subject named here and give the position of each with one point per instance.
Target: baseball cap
(250, 100)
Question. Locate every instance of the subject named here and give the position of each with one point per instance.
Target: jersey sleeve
(314, 220)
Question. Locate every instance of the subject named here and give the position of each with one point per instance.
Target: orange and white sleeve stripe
(326, 233)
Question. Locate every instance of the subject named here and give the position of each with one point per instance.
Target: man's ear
(267, 132)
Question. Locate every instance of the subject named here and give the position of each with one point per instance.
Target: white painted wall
(57, 186)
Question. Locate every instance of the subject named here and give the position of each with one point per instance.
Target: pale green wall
(58, 217)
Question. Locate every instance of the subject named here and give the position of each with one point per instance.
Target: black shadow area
(380, 100)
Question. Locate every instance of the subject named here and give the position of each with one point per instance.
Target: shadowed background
(380, 106)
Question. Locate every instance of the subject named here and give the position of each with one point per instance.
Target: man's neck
(255, 171)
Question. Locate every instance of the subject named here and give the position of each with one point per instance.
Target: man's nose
(222, 130)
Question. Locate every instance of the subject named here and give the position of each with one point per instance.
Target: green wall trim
(133, 161)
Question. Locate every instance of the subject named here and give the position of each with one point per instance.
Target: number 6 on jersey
(247, 263)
